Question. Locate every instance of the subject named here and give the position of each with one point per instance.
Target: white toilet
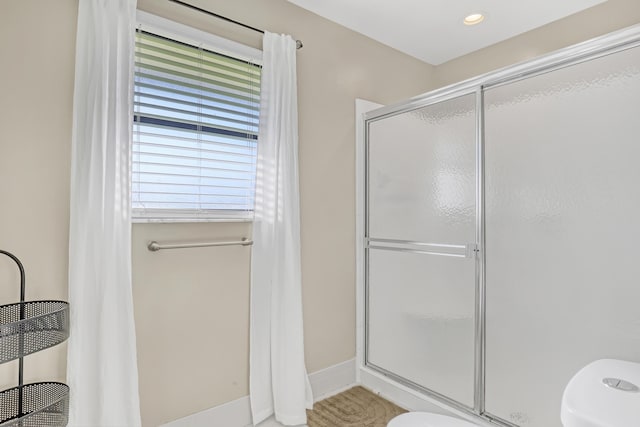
(605, 393)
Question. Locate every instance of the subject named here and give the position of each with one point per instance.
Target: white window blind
(195, 132)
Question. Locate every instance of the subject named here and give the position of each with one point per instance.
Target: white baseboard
(237, 413)
(333, 380)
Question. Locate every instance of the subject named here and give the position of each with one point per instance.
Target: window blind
(195, 131)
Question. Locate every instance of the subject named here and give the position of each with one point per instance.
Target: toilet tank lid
(603, 393)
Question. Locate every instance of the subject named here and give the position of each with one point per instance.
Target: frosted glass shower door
(421, 216)
(562, 226)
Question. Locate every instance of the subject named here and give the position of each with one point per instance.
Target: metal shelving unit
(27, 327)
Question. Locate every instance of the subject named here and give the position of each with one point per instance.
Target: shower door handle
(457, 251)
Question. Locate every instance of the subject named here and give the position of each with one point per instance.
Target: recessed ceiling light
(473, 19)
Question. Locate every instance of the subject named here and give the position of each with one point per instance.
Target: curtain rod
(224, 18)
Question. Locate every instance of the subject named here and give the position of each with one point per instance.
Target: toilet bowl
(426, 419)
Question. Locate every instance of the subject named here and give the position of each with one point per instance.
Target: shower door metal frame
(476, 249)
(617, 41)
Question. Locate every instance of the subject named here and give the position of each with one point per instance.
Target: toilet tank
(605, 393)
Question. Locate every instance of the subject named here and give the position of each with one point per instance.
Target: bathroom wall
(192, 306)
(37, 48)
(599, 20)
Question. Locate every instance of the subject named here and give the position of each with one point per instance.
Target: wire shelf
(27, 327)
(43, 325)
(43, 404)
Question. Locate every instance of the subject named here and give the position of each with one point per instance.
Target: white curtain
(101, 366)
(278, 379)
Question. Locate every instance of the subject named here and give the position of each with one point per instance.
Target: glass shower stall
(501, 247)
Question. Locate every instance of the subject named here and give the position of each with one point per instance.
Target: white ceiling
(432, 30)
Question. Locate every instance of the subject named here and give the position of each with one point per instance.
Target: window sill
(186, 220)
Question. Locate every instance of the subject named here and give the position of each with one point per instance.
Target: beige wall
(599, 20)
(37, 48)
(192, 305)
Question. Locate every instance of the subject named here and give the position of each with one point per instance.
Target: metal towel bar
(155, 246)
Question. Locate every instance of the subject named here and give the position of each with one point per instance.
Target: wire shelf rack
(27, 327)
(43, 404)
(45, 324)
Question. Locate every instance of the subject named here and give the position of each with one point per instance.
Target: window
(195, 132)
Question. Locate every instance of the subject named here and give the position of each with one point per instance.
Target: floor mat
(356, 407)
